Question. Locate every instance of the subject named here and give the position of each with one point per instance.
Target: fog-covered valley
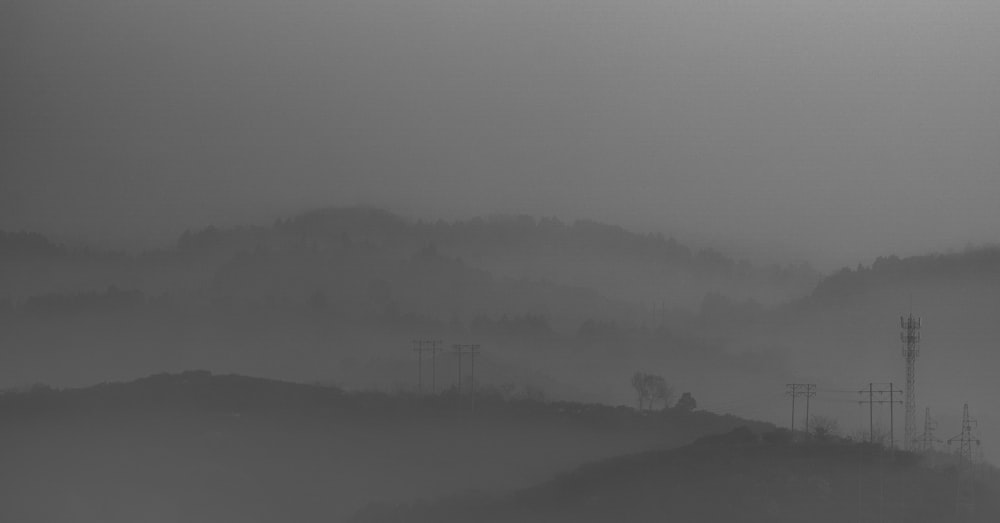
(465, 260)
(335, 298)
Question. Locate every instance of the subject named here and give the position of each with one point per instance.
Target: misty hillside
(975, 265)
(608, 258)
(846, 334)
(363, 243)
(858, 310)
(338, 295)
(579, 346)
(463, 261)
(198, 447)
(739, 476)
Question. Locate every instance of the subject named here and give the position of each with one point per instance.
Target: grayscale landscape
(523, 261)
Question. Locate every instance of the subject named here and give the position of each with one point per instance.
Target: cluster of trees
(686, 402)
(651, 389)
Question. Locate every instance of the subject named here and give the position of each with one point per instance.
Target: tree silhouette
(650, 388)
(686, 403)
(640, 385)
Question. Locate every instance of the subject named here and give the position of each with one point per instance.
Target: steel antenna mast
(910, 337)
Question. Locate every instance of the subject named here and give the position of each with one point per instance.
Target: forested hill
(976, 265)
(607, 259)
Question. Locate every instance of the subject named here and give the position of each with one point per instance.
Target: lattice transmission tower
(927, 439)
(966, 500)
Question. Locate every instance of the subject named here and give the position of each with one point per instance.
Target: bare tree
(659, 390)
(640, 384)
(650, 388)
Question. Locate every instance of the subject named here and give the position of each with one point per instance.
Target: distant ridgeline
(580, 254)
(366, 245)
(503, 275)
(360, 253)
(976, 265)
(326, 289)
(359, 262)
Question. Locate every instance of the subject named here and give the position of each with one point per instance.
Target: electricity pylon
(927, 439)
(965, 500)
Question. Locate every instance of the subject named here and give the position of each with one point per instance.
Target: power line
(420, 347)
(808, 390)
(471, 350)
(965, 501)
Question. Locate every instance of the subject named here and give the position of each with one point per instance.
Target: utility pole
(808, 390)
(871, 401)
(965, 500)
(434, 351)
(420, 347)
(471, 350)
(892, 419)
(910, 337)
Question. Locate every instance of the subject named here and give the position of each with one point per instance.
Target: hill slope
(845, 334)
(731, 478)
(196, 447)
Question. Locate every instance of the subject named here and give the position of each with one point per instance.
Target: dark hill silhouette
(735, 477)
(199, 447)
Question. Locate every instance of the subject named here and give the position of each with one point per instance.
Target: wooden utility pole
(808, 390)
(420, 347)
(471, 350)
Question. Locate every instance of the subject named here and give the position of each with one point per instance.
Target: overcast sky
(833, 131)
